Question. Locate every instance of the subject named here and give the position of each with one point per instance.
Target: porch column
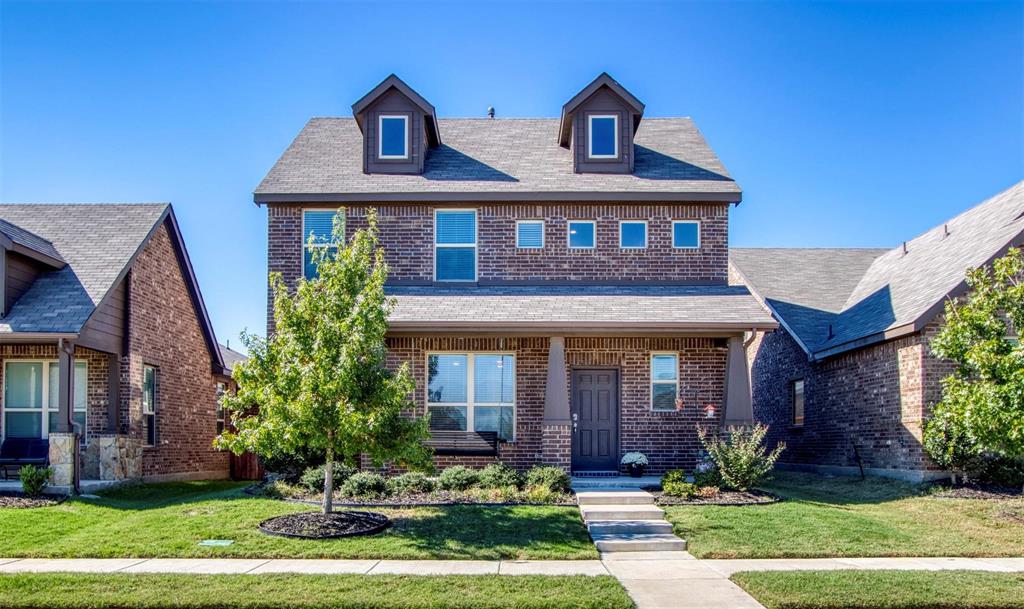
(65, 385)
(63, 446)
(738, 405)
(113, 392)
(556, 434)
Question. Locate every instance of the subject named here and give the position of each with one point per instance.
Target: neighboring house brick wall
(668, 438)
(165, 332)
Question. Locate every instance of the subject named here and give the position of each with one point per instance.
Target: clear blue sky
(846, 124)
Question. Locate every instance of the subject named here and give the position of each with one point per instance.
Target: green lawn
(884, 589)
(168, 520)
(81, 591)
(839, 517)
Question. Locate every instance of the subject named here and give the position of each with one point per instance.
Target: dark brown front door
(595, 417)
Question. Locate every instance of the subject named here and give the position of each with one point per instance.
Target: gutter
(35, 337)
(563, 327)
(533, 196)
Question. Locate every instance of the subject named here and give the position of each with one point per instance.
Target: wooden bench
(482, 443)
(15, 452)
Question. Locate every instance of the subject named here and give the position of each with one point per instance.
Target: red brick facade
(875, 399)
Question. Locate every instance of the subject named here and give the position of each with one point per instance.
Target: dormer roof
(14, 238)
(603, 80)
(394, 82)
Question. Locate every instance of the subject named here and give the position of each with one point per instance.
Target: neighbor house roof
(230, 357)
(99, 243)
(496, 160)
(578, 308)
(898, 291)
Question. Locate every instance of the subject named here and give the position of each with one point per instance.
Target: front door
(595, 418)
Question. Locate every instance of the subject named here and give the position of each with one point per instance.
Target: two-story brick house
(560, 283)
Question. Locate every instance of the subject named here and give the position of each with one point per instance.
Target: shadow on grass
(840, 491)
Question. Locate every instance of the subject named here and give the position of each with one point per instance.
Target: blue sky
(847, 124)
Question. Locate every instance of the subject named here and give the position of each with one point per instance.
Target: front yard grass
(169, 520)
(843, 517)
(884, 589)
(88, 591)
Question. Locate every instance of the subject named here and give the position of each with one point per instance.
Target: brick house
(105, 343)
(848, 378)
(561, 284)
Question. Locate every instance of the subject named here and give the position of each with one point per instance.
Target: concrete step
(638, 542)
(621, 512)
(613, 527)
(583, 483)
(614, 497)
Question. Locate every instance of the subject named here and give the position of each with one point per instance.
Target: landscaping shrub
(313, 477)
(706, 473)
(458, 478)
(674, 484)
(412, 482)
(499, 475)
(365, 484)
(539, 493)
(501, 494)
(34, 479)
(708, 492)
(552, 478)
(742, 459)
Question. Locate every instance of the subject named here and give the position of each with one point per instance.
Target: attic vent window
(603, 136)
(393, 142)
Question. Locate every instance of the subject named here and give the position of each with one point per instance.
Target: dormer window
(394, 136)
(603, 136)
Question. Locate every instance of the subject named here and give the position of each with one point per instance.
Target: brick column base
(62, 459)
(556, 445)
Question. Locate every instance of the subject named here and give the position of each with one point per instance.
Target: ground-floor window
(472, 391)
(32, 398)
(149, 404)
(798, 402)
(222, 390)
(664, 381)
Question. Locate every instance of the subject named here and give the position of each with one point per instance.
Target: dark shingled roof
(30, 240)
(230, 357)
(568, 306)
(97, 241)
(870, 295)
(500, 158)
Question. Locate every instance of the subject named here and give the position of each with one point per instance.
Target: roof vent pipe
(490, 111)
(904, 248)
(945, 230)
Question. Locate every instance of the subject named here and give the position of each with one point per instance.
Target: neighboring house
(561, 284)
(104, 336)
(848, 379)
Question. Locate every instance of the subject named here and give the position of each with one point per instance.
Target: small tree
(982, 407)
(319, 382)
(742, 459)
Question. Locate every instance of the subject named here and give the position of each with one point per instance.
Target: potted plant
(635, 463)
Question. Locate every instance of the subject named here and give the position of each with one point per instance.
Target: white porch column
(738, 404)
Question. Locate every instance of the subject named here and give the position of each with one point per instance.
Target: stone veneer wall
(669, 439)
(165, 333)
(875, 398)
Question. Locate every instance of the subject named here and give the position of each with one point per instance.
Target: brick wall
(874, 398)
(669, 439)
(166, 333)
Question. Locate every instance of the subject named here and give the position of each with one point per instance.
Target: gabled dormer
(598, 126)
(398, 128)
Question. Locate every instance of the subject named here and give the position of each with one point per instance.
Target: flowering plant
(634, 459)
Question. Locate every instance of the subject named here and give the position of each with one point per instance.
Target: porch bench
(15, 452)
(480, 443)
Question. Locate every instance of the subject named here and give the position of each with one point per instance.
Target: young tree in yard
(982, 409)
(319, 382)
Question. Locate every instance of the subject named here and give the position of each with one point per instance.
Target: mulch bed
(438, 498)
(317, 525)
(18, 500)
(751, 497)
(978, 491)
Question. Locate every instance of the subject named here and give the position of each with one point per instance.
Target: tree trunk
(329, 482)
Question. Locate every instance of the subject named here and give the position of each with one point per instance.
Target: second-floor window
(530, 234)
(318, 226)
(393, 141)
(603, 136)
(582, 234)
(685, 234)
(632, 234)
(455, 245)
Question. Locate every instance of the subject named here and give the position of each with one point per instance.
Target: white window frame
(305, 243)
(803, 399)
(685, 247)
(44, 409)
(652, 382)
(476, 240)
(530, 247)
(633, 247)
(380, 137)
(470, 404)
(590, 136)
(220, 413)
(568, 234)
(151, 409)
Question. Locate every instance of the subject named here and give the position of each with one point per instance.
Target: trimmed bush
(458, 478)
(552, 478)
(499, 475)
(412, 482)
(708, 492)
(679, 489)
(706, 474)
(742, 458)
(365, 484)
(313, 478)
(34, 479)
(672, 475)
(539, 493)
